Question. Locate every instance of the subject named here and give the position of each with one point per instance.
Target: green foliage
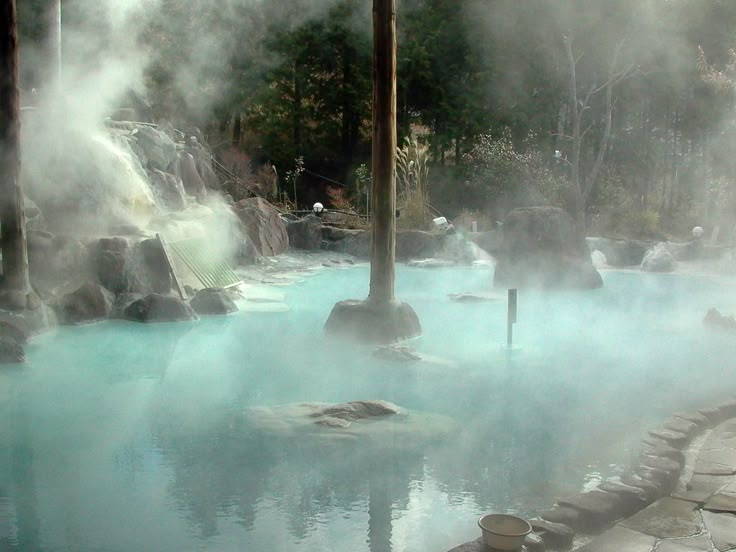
(642, 224)
(363, 182)
(299, 72)
(316, 99)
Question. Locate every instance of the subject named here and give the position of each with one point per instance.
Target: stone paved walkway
(681, 497)
(700, 516)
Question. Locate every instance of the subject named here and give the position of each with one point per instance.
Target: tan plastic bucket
(504, 532)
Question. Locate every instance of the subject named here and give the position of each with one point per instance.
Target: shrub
(412, 179)
(501, 176)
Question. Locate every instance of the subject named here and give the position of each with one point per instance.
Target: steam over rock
(541, 248)
(263, 225)
(169, 190)
(158, 150)
(659, 259)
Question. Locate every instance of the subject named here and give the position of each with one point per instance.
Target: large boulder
(619, 252)
(541, 248)
(54, 260)
(263, 225)
(159, 308)
(203, 161)
(659, 259)
(193, 183)
(417, 244)
(213, 301)
(89, 303)
(352, 242)
(169, 190)
(489, 241)
(157, 273)
(305, 233)
(110, 258)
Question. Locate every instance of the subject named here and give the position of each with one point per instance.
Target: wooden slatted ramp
(211, 269)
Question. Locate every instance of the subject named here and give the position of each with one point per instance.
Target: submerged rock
(11, 352)
(714, 319)
(471, 297)
(358, 410)
(159, 308)
(373, 421)
(432, 263)
(397, 353)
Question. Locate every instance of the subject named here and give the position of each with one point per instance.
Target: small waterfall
(125, 187)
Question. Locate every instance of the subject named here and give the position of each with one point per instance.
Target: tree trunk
(576, 144)
(383, 245)
(237, 129)
(297, 110)
(347, 107)
(13, 238)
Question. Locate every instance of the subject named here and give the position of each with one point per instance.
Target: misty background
(485, 84)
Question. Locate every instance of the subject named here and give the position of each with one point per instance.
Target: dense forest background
(620, 111)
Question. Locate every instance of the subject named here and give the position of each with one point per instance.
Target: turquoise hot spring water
(123, 437)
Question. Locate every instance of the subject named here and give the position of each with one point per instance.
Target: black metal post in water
(511, 318)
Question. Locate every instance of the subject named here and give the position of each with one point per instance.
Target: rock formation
(540, 248)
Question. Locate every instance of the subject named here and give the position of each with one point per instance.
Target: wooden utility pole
(380, 318)
(383, 245)
(16, 283)
(56, 37)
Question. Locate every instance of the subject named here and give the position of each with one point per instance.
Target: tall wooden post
(16, 284)
(55, 36)
(383, 245)
(380, 318)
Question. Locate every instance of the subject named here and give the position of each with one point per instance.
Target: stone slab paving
(691, 544)
(667, 518)
(722, 529)
(620, 539)
(699, 517)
